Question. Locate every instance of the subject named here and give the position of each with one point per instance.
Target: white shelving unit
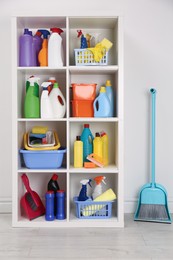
(69, 127)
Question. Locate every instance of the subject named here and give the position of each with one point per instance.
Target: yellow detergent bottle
(78, 153)
(105, 152)
(97, 145)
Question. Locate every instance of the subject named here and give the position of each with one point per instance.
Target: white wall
(148, 62)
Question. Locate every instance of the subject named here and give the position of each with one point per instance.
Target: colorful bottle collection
(35, 51)
(51, 104)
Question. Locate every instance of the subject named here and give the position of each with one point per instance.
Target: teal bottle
(102, 105)
(87, 139)
(110, 94)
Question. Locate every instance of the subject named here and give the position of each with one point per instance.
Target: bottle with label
(87, 139)
(105, 154)
(52, 80)
(55, 48)
(32, 101)
(57, 101)
(60, 204)
(97, 145)
(78, 153)
(53, 186)
(43, 54)
(110, 94)
(50, 196)
(102, 106)
(46, 108)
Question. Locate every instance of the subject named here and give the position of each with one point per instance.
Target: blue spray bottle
(83, 192)
(83, 44)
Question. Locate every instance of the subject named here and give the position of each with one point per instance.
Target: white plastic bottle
(57, 101)
(46, 107)
(55, 48)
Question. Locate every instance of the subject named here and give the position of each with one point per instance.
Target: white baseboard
(5, 205)
(129, 205)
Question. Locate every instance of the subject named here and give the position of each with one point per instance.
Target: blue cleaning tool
(83, 192)
(153, 203)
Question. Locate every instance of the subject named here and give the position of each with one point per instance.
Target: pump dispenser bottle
(55, 48)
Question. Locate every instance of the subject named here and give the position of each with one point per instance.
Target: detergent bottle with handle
(32, 102)
(87, 139)
(105, 151)
(110, 94)
(55, 48)
(83, 192)
(57, 101)
(102, 106)
(46, 107)
(98, 186)
(43, 54)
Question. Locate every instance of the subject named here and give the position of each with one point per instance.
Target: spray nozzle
(99, 180)
(57, 30)
(45, 85)
(79, 33)
(33, 80)
(45, 33)
(86, 181)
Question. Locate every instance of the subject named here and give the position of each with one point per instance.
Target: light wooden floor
(138, 240)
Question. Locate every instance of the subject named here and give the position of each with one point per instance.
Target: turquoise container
(87, 139)
(110, 94)
(102, 105)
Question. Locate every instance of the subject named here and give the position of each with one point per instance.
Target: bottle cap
(54, 177)
(86, 125)
(38, 33)
(55, 85)
(78, 138)
(97, 134)
(108, 83)
(57, 30)
(102, 89)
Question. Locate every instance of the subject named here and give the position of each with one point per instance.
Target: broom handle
(153, 136)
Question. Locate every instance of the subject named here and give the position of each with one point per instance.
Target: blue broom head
(153, 204)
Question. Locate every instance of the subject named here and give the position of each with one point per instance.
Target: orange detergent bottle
(43, 54)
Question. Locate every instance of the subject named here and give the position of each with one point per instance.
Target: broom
(153, 204)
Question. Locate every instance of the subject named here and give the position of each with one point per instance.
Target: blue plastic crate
(93, 210)
(85, 57)
(43, 159)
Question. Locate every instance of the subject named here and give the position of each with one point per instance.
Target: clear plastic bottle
(97, 145)
(87, 139)
(78, 153)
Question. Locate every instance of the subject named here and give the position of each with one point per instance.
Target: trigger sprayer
(98, 186)
(83, 192)
(83, 44)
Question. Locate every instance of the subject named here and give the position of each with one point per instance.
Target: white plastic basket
(84, 57)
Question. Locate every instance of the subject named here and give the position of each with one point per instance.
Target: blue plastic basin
(43, 159)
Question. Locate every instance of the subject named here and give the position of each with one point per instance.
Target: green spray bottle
(32, 101)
